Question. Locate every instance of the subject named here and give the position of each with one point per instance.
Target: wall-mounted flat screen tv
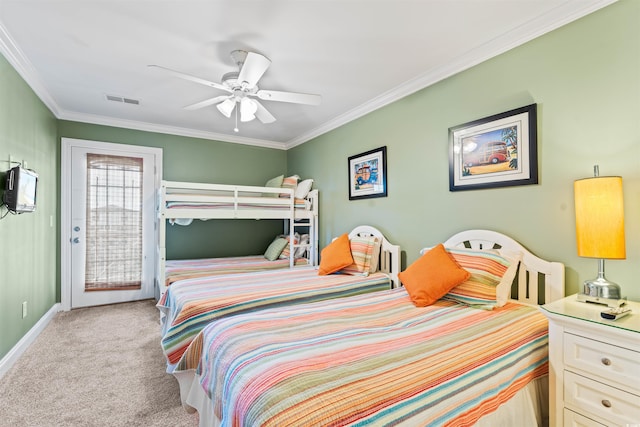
(20, 190)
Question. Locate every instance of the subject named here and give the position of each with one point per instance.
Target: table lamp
(600, 233)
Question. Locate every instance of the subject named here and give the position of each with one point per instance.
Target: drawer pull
(606, 361)
(606, 403)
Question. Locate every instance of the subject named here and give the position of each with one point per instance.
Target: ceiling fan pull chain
(235, 129)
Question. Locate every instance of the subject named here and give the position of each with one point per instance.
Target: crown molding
(25, 69)
(170, 130)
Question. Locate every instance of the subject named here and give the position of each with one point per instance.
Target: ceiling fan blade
(253, 68)
(207, 102)
(262, 114)
(296, 98)
(192, 78)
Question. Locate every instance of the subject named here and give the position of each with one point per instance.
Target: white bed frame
(533, 273)
(244, 202)
(530, 402)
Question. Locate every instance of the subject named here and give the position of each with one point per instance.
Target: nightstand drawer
(607, 403)
(572, 419)
(610, 362)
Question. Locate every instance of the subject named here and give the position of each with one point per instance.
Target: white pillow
(303, 188)
(503, 290)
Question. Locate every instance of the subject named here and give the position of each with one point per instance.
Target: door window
(113, 223)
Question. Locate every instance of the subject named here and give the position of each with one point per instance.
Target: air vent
(122, 99)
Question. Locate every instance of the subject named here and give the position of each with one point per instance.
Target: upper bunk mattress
(298, 204)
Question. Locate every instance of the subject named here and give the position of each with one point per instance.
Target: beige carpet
(100, 366)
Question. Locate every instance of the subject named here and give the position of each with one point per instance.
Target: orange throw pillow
(335, 256)
(431, 276)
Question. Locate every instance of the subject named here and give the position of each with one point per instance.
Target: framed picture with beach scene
(496, 151)
(368, 174)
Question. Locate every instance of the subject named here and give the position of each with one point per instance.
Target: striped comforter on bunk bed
(193, 268)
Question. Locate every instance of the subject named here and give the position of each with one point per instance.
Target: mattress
(298, 204)
(192, 268)
(372, 359)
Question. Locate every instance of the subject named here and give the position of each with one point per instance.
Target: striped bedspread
(372, 359)
(189, 305)
(192, 268)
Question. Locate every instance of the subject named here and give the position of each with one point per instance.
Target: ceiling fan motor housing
(231, 81)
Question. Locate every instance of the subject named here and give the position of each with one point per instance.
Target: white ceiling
(357, 54)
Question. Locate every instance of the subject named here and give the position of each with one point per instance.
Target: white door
(111, 222)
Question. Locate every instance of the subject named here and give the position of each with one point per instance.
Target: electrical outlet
(24, 309)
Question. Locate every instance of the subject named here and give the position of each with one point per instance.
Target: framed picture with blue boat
(496, 151)
(368, 174)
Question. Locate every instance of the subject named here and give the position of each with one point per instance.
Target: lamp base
(612, 303)
(601, 291)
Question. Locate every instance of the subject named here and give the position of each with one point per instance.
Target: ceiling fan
(242, 89)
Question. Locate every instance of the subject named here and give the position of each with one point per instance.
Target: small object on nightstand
(615, 313)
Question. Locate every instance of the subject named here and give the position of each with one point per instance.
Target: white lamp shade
(248, 110)
(600, 217)
(226, 107)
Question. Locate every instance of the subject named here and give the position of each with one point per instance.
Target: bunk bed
(182, 202)
(189, 305)
(378, 359)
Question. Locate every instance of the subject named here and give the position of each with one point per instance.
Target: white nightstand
(594, 365)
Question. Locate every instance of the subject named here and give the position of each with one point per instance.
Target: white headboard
(389, 253)
(531, 271)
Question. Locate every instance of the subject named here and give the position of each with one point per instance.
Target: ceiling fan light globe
(226, 107)
(248, 110)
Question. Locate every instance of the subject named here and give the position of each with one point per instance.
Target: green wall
(585, 79)
(28, 243)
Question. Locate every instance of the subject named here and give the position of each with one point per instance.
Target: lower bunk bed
(378, 359)
(189, 305)
(176, 270)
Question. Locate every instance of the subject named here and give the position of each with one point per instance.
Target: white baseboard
(14, 354)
